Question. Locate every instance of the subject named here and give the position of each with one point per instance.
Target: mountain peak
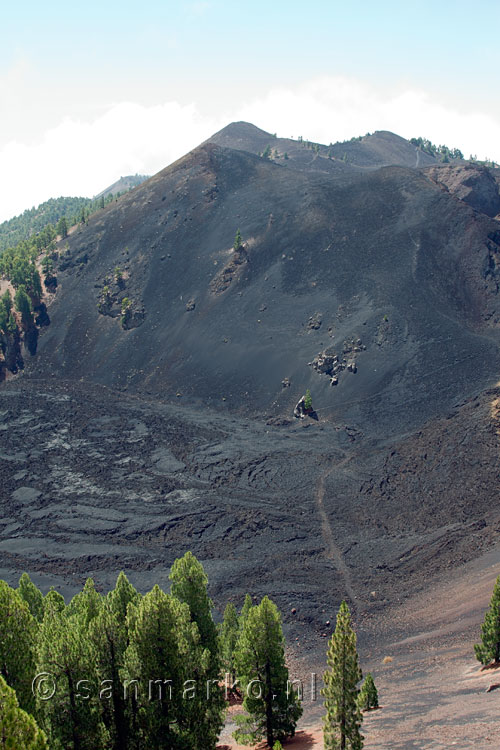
(240, 129)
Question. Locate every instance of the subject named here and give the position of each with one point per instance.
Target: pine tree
(341, 725)
(247, 606)
(109, 639)
(4, 317)
(23, 305)
(18, 630)
(489, 648)
(7, 301)
(122, 595)
(273, 707)
(64, 651)
(18, 730)
(85, 605)
(228, 638)
(164, 646)
(237, 241)
(308, 400)
(368, 695)
(53, 600)
(32, 596)
(62, 227)
(189, 586)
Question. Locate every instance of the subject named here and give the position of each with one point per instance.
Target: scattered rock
(314, 322)
(329, 362)
(231, 270)
(278, 422)
(132, 318)
(190, 305)
(285, 383)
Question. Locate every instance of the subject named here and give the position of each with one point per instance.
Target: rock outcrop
(472, 183)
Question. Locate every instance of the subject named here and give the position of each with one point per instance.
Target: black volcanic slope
(125, 447)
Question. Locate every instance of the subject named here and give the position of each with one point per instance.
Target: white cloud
(82, 158)
(331, 109)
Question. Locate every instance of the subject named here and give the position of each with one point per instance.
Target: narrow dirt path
(332, 550)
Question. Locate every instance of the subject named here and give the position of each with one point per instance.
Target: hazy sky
(91, 91)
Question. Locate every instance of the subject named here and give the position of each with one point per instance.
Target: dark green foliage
(7, 320)
(18, 630)
(7, 301)
(267, 152)
(86, 605)
(32, 596)
(272, 706)
(189, 586)
(247, 606)
(342, 722)
(368, 695)
(36, 230)
(308, 399)
(203, 716)
(34, 220)
(107, 659)
(53, 600)
(237, 241)
(108, 636)
(228, 637)
(165, 643)
(64, 651)
(437, 151)
(489, 648)
(18, 730)
(4, 317)
(62, 227)
(47, 265)
(23, 305)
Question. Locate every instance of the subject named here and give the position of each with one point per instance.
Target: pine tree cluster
(127, 671)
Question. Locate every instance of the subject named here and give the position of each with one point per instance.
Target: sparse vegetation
(368, 695)
(443, 152)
